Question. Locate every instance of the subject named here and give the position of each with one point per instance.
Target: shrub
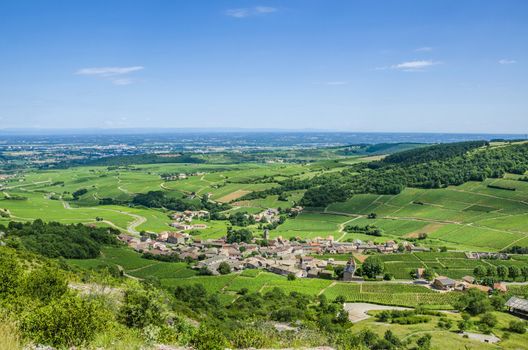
(224, 268)
(68, 321)
(517, 327)
(244, 338)
(45, 284)
(208, 338)
(488, 319)
(9, 274)
(142, 307)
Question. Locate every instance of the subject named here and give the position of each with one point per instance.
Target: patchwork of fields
(172, 275)
(472, 216)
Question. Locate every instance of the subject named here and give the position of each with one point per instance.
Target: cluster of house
(182, 220)
(269, 215)
(180, 176)
(486, 255)
(467, 282)
(280, 256)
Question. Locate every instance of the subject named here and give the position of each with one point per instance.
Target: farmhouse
(176, 238)
(518, 306)
(500, 286)
(468, 279)
(180, 226)
(444, 283)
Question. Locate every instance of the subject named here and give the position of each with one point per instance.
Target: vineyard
(392, 294)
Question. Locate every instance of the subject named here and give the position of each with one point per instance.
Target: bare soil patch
(427, 229)
(232, 196)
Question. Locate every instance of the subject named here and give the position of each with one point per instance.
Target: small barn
(518, 306)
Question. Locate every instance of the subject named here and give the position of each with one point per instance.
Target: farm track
(342, 228)
(131, 228)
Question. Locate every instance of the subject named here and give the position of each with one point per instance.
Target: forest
(56, 240)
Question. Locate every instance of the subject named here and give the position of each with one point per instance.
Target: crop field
(47, 194)
(391, 294)
(310, 225)
(451, 264)
(172, 275)
(470, 217)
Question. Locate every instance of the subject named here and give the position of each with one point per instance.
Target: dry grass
(9, 336)
(427, 229)
(232, 196)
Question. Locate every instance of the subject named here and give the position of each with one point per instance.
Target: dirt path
(342, 228)
(325, 288)
(358, 311)
(131, 227)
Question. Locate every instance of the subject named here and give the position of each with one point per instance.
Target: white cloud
(247, 12)
(413, 66)
(116, 75)
(424, 49)
(410, 66)
(108, 71)
(506, 61)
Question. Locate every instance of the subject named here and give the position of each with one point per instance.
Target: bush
(44, 284)
(224, 268)
(488, 319)
(9, 274)
(517, 327)
(142, 307)
(208, 338)
(244, 338)
(68, 321)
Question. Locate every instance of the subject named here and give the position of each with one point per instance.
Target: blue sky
(371, 65)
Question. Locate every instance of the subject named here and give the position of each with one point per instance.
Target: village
(295, 258)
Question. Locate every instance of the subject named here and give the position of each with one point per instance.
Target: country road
(131, 227)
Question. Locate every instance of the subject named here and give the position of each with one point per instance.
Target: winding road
(131, 227)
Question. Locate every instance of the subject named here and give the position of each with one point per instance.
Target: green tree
(479, 271)
(474, 302)
(224, 268)
(524, 272)
(491, 271)
(238, 236)
(514, 272)
(424, 342)
(372, 267)
(502, 272)
(488, 319)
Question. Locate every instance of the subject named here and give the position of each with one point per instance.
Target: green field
(467, 217)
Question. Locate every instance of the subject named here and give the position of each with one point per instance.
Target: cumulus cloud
(506, 61)
(116, 75)
(250, 11)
